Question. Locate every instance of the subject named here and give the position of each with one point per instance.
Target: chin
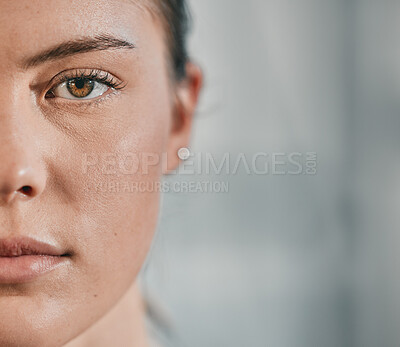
(25, 322)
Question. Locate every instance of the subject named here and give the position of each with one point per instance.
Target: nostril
(26, 190)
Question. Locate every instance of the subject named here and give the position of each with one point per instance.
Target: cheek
(116, 189)
(106, 189)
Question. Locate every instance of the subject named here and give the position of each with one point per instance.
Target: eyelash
(94, 75)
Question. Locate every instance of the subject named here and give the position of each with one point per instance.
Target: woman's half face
(87, 111)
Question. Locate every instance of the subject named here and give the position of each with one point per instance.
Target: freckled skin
(42, 143)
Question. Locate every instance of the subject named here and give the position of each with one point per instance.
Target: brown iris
(80, 87)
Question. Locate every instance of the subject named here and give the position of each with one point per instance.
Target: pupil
(79, 83)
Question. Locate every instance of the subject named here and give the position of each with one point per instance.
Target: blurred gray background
(290, 260)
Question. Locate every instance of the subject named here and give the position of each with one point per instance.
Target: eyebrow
(82, 45)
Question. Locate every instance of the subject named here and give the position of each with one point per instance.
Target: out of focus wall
(290, 260)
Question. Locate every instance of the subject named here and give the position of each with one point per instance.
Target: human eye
(83, 85)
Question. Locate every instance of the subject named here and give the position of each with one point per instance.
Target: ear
(187, 94)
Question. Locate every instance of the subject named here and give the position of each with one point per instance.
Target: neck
(122, 326)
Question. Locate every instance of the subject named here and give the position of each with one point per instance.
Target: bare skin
(122, 326)
(54, 177)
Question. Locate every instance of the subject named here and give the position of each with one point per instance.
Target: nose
(19, 181)
(22, 175)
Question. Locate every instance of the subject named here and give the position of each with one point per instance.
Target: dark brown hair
(177, 20)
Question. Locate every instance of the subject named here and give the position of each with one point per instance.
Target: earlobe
(186, 99)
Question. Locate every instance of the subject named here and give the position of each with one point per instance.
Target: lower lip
(26, 268)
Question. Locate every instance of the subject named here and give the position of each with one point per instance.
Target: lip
(24, 259)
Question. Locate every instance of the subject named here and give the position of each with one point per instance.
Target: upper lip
(19, 246)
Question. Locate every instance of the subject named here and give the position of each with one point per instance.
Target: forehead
(28, 26)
